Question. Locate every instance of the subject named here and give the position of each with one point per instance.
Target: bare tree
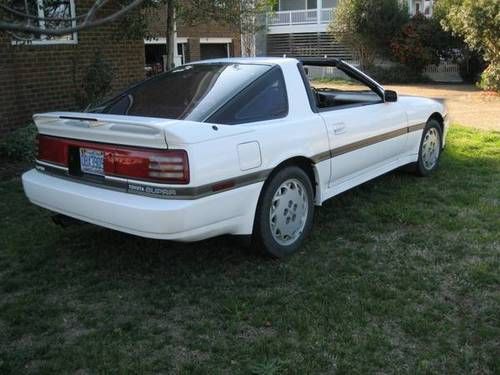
(170, 32)
(252, 22)
(26, 18)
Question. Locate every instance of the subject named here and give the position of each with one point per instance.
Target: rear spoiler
(151, 132)
(136, 131)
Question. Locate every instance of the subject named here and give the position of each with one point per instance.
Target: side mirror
(390, 96)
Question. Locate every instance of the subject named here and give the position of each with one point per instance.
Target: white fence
(443, 68)
(444, 72)
(300, 17)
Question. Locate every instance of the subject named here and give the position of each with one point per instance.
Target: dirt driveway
(467, 105)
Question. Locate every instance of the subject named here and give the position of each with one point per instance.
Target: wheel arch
(306, 164)
(439, 118)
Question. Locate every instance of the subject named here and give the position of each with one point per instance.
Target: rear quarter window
(265, 99)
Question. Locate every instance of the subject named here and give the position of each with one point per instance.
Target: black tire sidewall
(420, 164)
(262, 230)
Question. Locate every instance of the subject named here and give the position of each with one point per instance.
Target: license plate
(92, 161)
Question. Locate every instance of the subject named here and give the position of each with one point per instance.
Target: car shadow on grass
(116, 253)
(393, 201)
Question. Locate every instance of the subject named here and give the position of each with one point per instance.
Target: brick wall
(193, 49)
(38, 78)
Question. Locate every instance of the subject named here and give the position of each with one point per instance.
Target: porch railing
(300, 17)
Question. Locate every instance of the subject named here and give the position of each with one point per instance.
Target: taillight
(169, 166)
(173, 166)
(160, 166)
(52, 150)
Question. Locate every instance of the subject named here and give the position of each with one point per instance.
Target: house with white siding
(300, 27)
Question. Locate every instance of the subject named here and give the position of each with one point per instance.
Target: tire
(431, 146)
(281, 226)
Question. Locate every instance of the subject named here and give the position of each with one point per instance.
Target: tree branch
(86, 24)
(91, 13)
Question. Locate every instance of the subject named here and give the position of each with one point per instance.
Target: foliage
(19, 145)
(421, 42)
(241, 15)
(96, 84)
(414, 288)
(134, 25)
(490, 79)
(397, 74)
(237, 13)
(367, 26)
(478, 22)
(471, 65)
(334, 80)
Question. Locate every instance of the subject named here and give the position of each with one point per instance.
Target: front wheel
(430, 149)
(284, 213)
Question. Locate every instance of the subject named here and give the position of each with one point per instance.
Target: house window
(312, 4)
(293, 4)
(63, 13)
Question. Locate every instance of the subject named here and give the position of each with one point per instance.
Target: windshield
(190, 92)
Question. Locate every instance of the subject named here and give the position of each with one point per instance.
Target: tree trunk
(170, 64)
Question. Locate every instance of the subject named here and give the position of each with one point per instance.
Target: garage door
(213, 51)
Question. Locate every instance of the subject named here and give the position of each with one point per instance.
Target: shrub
(97, 81)
(471, 65)
(478, 22)
(490, 79)
(396, 74)
(367, 26)
(419, 43)
(19, 145)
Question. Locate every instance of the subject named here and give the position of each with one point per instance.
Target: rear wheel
(285, 213)
(430, 149)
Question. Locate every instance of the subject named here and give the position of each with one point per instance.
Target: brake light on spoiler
(152, 165)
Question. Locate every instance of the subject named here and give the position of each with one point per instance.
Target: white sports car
(232, 146)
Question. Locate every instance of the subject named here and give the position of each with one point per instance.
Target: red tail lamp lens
(162, 166)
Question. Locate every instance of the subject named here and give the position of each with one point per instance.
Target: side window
(333, 89)
(265, 99)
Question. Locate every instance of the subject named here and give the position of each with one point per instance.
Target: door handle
(339, 128)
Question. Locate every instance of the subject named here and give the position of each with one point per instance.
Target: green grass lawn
(401, 275)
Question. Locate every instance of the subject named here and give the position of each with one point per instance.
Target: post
(170, 34)
(320, 10)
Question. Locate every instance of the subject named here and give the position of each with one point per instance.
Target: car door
(364, 138)
(366, 131)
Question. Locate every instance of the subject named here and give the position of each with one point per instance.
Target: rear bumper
(229, 212)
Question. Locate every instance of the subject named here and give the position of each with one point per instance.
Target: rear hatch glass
(190, 92)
